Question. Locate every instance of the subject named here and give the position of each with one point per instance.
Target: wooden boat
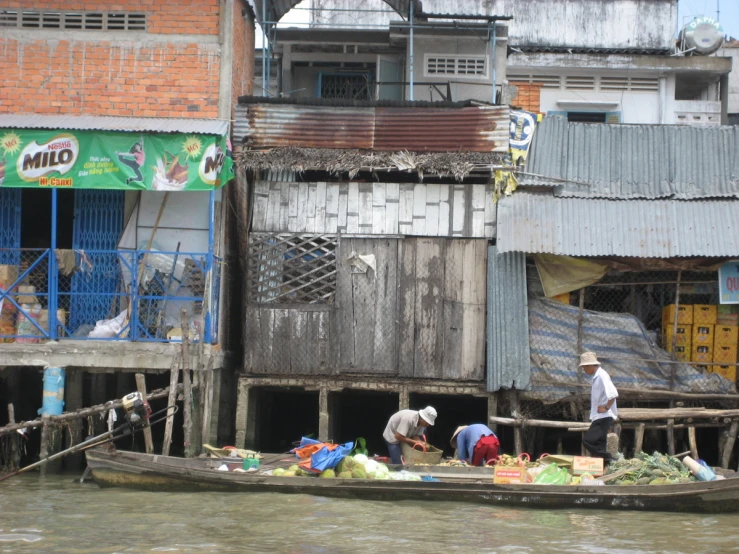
(151, 472)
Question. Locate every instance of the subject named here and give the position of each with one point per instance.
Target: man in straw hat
(603, 408)
(476, 444)
(407, 426)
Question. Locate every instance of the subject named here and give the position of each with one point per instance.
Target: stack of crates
(725, 342)
(684, 330)
(704, 326)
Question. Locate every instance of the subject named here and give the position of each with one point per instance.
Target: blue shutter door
(98, 224)
(10, 225)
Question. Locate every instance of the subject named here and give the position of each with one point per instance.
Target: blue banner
(728, 281)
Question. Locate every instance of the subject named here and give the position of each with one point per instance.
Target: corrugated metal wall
(508, 356)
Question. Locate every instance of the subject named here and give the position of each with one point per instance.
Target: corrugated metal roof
(109, 123)
(508, 357)
(345, 103)
(472, 129)
(634, 161)
(541, 223)
(278, 8)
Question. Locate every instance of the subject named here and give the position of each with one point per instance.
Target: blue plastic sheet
(325, 458)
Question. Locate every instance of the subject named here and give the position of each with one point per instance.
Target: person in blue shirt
(476, 444)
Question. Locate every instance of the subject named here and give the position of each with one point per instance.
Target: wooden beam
(174, 377)
(186, 386)
(141, 387)
(15, 454)
(639, 438)
(44, 451)
(671, 437)
(517, 431)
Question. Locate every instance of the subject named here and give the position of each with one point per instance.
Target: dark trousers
(596, 438)
(394, 451)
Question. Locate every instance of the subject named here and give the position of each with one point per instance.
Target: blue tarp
(325, 458)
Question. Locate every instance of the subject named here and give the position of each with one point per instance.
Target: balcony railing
(129, 295)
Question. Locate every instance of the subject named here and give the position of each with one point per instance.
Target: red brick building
(187, 58)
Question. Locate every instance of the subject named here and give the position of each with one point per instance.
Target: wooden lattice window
(291, 269)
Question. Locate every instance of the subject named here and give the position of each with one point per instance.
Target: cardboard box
(727, 319)
(26, 295)
(704, 313)
(725, 335)
(725, 354)
(685, 317)
(8, 275)
(511, 475)
(702, 353)
(584, 464)
(727, 371)
(703, 334)
(684, 336)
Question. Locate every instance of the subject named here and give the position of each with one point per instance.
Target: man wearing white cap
(603, 409)
(476, 444)
(407, 426)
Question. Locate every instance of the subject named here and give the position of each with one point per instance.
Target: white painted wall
(732, 53)
(635, 107)
(595, 23)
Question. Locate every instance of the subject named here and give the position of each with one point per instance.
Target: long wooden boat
(151, 472)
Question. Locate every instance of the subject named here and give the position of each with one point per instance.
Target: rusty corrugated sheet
(471, 129)
(281, 125)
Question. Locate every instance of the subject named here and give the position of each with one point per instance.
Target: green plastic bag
(361, 447)
(552, 475)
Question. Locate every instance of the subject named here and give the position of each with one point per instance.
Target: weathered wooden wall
(420, 209)
(421, 314)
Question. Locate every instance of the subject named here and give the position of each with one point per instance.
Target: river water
(58, 515)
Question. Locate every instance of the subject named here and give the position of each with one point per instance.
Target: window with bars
(291, 269)
(73, 20)
(346, 86)
(460, 66)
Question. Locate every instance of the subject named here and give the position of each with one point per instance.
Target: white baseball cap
(428, 414)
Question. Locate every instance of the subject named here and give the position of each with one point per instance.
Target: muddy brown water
(58, 515)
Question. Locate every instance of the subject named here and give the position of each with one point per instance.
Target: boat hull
(151, 472)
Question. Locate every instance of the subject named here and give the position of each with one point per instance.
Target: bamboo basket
(413, 456)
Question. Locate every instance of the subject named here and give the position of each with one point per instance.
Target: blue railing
(130, 295)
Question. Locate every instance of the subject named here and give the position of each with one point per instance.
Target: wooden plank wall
(421, 315)
(430, 210)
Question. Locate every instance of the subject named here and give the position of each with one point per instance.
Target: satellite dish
(703, 36)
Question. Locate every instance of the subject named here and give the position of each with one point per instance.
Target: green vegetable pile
(657, 469)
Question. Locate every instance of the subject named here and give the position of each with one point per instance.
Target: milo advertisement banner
(110, 160)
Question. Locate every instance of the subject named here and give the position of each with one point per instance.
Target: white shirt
(404, 422)
(603, 390)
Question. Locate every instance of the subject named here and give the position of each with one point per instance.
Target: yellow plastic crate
(702, 353)
(725, 354)
(703, 334)
(704, 313)
(726, 335)
(684, 336)
(682, 353)
(728, 371)
(685, 317)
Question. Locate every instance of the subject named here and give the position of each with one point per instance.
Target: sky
(687, 10)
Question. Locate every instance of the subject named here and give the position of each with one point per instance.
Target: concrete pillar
(323, 415)
(287, 70)
(724, 97)
(73, 401)
(242, 414)
(404, 400)
(52, 404)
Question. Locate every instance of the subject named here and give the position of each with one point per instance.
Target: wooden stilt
(141, 387)
(516, 413)
(208, 379)
(693, 443)
(187, 386)
(560, 446)
(671, 437)
(729, 444)
(639, 438)
(492, 409)
(174, 377)
(44, 452)
(15, 453)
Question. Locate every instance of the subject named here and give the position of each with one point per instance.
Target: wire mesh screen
(621, 321)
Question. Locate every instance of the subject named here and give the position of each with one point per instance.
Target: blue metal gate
(10, 226)
(98, 223)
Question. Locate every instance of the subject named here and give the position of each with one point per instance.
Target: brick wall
(528, 96)
(142, 74)
(243, 58)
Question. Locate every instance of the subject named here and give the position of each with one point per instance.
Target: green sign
(111, 160)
